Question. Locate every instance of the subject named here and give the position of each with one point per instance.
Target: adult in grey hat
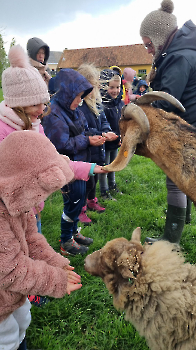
(173, 71)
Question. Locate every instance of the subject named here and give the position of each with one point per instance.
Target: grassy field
(86, 319)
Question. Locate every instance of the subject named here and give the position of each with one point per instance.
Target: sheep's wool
(158, 25)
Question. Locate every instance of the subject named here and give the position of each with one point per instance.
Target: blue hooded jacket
(67, 129)
(176, 73)
(138, 92)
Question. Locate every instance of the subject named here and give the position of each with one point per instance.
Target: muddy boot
(174, 225)
(80, 239)
(71, 247)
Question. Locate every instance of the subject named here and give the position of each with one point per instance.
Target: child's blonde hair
(24, 117)
(115, 77)
(91, 73)
(20, 111)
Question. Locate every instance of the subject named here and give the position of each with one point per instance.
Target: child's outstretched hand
(109, 136)
(98, 170)
(73, 279)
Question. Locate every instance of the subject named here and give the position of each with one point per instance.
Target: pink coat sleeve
(80, 169)
(31, 266)
(132, 96)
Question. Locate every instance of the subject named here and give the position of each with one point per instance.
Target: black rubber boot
(23, 345)
(174, 225)
(188, 211)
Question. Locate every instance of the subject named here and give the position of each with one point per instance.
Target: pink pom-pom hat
(22, 84)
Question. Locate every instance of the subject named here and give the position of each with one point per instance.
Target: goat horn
(125, 153)
(152, 96)
(132, 111)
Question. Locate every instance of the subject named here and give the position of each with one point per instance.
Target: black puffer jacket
(176, 73)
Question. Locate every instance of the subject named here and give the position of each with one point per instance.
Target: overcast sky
(76, 24)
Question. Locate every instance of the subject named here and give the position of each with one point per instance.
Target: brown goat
(164, 137)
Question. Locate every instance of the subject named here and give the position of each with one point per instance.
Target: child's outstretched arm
(82, 170)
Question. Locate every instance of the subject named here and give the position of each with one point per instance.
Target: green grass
(86, 319)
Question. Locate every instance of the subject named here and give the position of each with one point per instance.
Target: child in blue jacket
(67, 129)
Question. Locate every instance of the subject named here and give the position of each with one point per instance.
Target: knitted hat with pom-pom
(159, 25)
(22, 84)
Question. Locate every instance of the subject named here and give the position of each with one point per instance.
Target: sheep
(153, 286)
(162, 136)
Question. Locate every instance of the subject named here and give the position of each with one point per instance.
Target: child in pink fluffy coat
(25, 96)
(31, 169)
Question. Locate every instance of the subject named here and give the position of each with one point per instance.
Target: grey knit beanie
(158, 25)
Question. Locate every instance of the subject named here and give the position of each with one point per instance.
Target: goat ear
(136, 235)
(125, 265)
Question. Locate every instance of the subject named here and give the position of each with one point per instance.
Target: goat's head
(136, 131)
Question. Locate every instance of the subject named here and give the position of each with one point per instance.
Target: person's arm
(57, 130)
(105, 125)
(132, 96)
(30, 273)
(82, 170)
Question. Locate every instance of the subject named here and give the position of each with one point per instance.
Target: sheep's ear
(125, 263)
(136, 235)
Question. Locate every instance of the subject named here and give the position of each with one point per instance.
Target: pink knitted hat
(31, 169)
(22, 84)
(129, 74)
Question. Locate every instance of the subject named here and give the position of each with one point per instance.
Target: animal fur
(154, 286)
(162, 136)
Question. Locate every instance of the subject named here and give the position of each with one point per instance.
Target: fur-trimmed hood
(31, 169)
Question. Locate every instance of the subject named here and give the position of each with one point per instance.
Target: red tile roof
(126, 55)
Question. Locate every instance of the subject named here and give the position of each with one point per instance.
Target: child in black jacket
(111, 93)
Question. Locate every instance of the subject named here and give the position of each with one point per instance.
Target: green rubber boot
(174, 225)
(188, 211)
